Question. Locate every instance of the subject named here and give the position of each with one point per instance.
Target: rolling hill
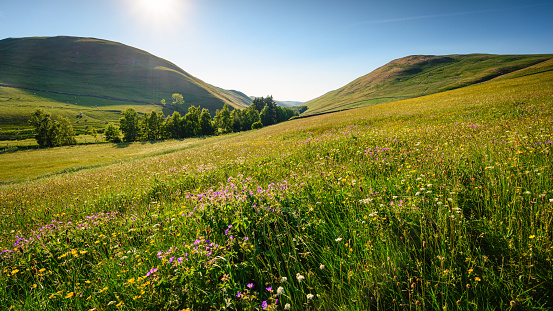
(420, 75)
(77, 74)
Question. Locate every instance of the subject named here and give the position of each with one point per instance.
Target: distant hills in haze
(420, 75)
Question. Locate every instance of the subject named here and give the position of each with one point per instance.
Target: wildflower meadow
(443, 202)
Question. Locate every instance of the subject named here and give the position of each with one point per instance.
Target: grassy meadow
(443, 202)
(420, 75)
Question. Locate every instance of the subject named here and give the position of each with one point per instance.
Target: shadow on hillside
(121, 145)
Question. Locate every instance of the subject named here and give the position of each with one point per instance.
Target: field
(443, 202)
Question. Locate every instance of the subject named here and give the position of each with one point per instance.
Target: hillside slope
(420, 75)
(69, 75)
(102, 68)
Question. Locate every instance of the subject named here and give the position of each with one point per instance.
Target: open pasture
(443, 202)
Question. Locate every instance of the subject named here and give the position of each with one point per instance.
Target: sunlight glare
(159, 15)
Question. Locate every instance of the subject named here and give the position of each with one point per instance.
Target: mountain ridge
(419, 75)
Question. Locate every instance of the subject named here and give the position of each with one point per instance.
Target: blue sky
(293, 50)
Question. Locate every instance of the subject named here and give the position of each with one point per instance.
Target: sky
(294, 50)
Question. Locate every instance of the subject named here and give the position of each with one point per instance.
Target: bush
(257, 125)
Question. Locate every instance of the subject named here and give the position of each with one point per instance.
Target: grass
(93, 67)
(439, 202)
(420, 75)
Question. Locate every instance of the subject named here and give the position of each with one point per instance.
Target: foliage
(51, 133)
(257, 125)
(223, 120)
(206, 124)
(178, 99)
(129, 125)
(112, 133)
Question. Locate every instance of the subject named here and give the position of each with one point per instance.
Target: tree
(112, 133)
(257, 125)
(49, 132)
(237, 120)
(205, 122)
(258, 103)
(152, 125)
(178, 99)
(65, 132)
(226, 120)
(173, 126)
(129, 125)
(192, 122)
(94, 133)
(266, 117)
(249, 116)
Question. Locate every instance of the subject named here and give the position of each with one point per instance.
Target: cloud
(418, 17)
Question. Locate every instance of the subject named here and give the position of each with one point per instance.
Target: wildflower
(264, 305)
(321, 266)
(42, 270)
(338, 239)
(69, 295)
(280, 290)
(270, 288)
(250, 285)
(284, 279)
(532, 236)
(287, 306)
(238, 295)
(300, 277)
(477, 279)
(310, 296)
(151, 271)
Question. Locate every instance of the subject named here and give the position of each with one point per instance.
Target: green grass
(443, 202)
(94, 67)
(420, 75)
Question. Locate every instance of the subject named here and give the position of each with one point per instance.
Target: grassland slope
(441, 202)
(94, 73)
(420, 75)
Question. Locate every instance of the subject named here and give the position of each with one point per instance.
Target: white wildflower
(280, 290)
(300, 277)
(338, 239)
(287, 306)
(310, 296)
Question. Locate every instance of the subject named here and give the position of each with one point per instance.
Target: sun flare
(158, 14)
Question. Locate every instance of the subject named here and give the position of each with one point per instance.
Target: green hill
(82, 73)
(420, 75)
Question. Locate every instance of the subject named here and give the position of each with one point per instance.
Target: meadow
(443, 202)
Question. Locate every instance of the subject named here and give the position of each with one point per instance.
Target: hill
(82, 73)
(441, 202)
(420, 75)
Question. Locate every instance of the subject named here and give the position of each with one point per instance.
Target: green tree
(173, 126)
(49, 132)
(94, 133)
(152, 125)
(192, 122)
(266, 117)
(66, 134)
(257, 125)
(250, 115)
(223, 119)
(205, 122)
(236, 120)
(178, 99)
(130, 125)
(112, 133)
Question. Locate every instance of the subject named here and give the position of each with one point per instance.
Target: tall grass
(442, 202)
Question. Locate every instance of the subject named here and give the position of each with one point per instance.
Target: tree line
(156, 126)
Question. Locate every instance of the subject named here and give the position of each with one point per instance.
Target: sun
(158, 14)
